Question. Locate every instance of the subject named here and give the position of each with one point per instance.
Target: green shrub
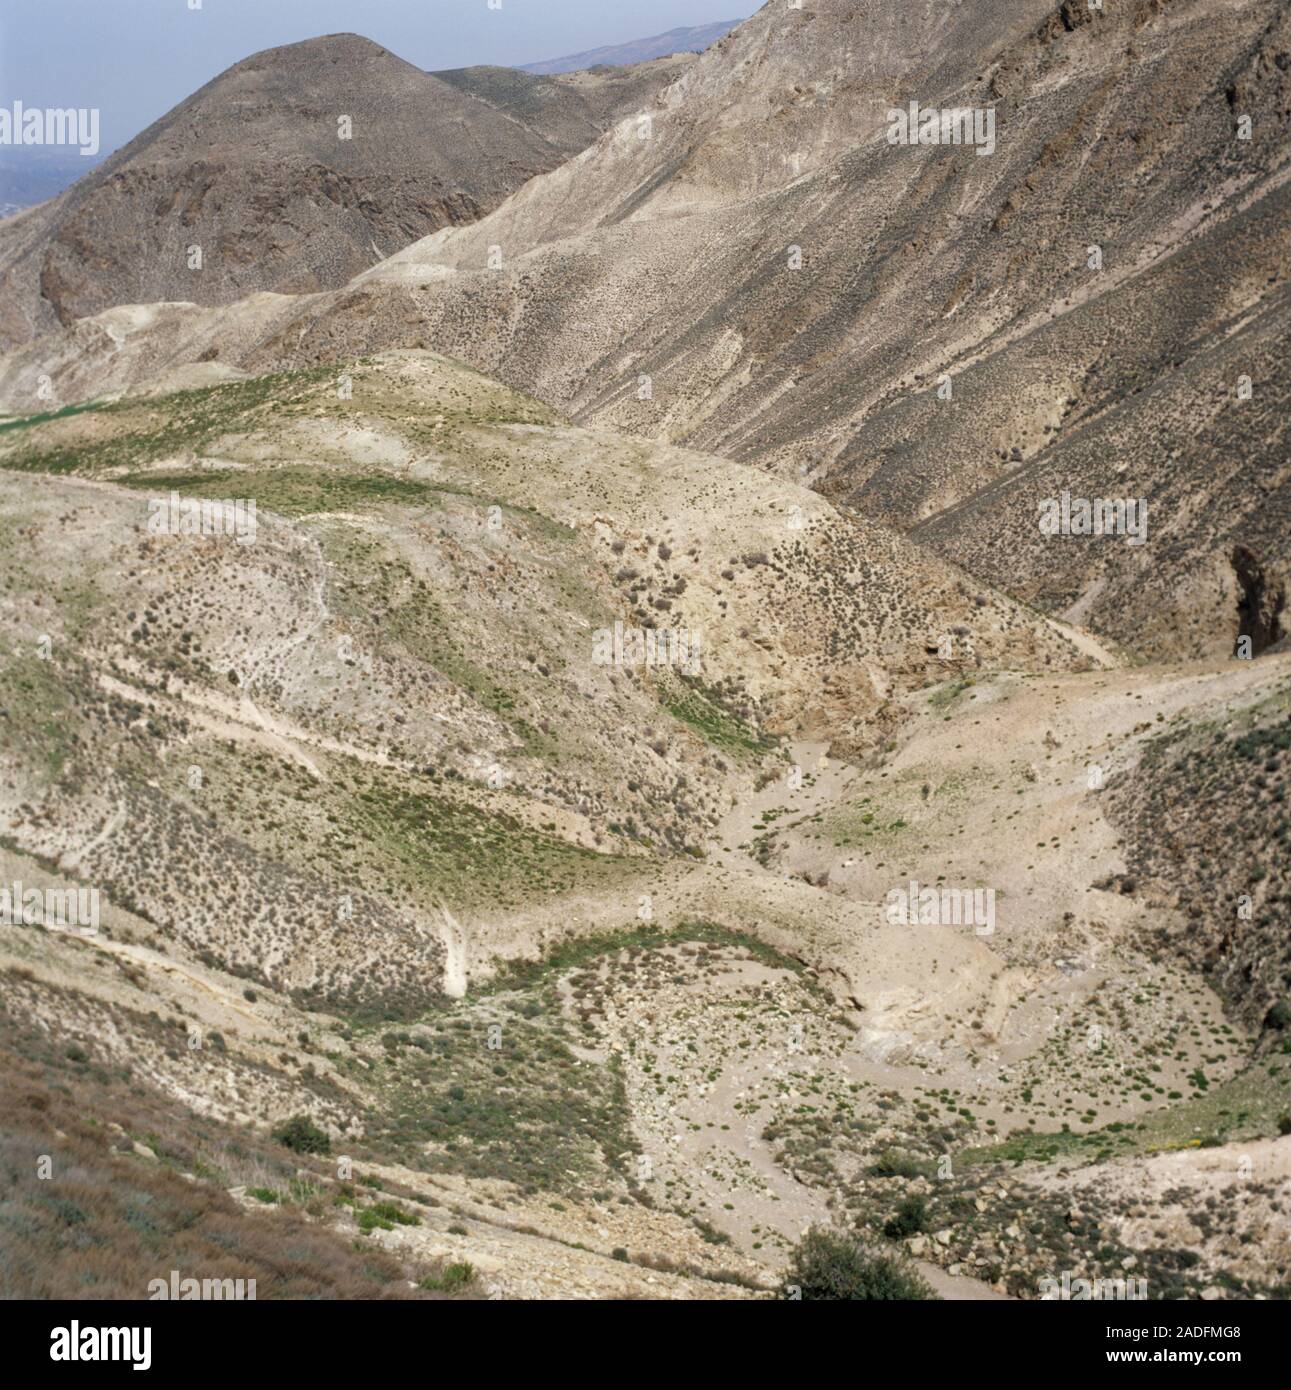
(455, 1277)
(386, 1216)
(911, 1218)
(303, 1136)
(832, 1265)
(894, 1164)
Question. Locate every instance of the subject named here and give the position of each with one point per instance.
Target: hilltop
(292, 171)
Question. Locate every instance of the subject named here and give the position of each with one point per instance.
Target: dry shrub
(103, 1224)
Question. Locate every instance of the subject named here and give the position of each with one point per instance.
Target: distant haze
(693, 40)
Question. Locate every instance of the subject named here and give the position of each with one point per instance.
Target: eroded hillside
(932, 338)
(587, 965)
(583, 760)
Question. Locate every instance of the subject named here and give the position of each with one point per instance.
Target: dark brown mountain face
(1260, 603)
(291, 172)
(1205, 822)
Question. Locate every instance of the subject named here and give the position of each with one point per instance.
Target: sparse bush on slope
(833, 1265)
(303, 1135)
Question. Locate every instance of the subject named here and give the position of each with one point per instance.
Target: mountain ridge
(290, 171)
(680, 40)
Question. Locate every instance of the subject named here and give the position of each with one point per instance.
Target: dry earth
(934, 890)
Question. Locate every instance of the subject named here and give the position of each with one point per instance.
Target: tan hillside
(592, 780)
(650, 284)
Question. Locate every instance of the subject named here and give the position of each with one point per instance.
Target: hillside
(256, 170)
(589, 763)
(358, 792)
(757, 272)
(574, 109)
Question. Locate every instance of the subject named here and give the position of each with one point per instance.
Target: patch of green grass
(464, 854)
(385, 1216)
(946, 695)
(690, 701)
(41, 711)
(439, 633)
(493, 1087)
(24, 422)
(577, 952)
(139, 431)
(291, 491)
(454, 1278)
(1246, 1106)
(502, 1095)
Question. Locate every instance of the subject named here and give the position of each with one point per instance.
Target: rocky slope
(584, 969)
(292, 171)
(1207, 824)
(758, 272)
(411, 639)
(580, 978)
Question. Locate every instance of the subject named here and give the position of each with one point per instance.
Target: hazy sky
(134, 59)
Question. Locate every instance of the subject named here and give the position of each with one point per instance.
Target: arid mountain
(927, 880)
(293, 171)
(758, 272)
(692, 40)
(690, 281)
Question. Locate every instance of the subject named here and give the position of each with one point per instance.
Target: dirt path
(154, 960)
(1085, 641)
(958, 1288)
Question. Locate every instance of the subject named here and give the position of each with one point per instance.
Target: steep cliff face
(1261, 602)
(1208, 824)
